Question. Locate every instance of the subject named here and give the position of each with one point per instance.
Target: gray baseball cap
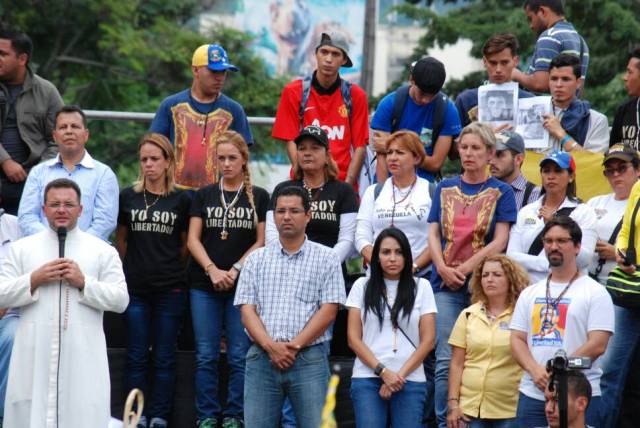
(337, 40)
(509, 140)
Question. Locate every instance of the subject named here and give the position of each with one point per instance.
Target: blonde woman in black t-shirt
(151, 238)
(227, 223)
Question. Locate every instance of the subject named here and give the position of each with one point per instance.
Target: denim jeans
(530, 413)
(8, 326)
(616, 362)
(404, 409)
(212, 313)
(449, 304)
(493, 423)
(153, 321)
(288, 417)
(304, 383)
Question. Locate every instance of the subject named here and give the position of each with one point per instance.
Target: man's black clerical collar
(325, 91)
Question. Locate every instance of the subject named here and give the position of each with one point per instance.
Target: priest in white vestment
(59, 374)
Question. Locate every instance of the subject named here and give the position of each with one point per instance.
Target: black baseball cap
(314, 132)
(429, 75)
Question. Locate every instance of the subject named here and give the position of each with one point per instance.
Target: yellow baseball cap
(214, 57)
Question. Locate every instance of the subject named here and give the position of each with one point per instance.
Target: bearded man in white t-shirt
(566, 311)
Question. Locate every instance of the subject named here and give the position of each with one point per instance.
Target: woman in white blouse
(401, 201)
(558, 197)
(391, 329)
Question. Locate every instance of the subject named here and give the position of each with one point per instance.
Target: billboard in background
(286, 32)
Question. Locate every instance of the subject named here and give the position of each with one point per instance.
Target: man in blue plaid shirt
(288, 293)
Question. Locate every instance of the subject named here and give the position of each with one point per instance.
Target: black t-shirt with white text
(327, 204)
(626, 124)
(153, 259)
(240, 228)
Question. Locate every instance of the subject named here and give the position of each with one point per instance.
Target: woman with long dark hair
(227, 224)
(558, 197)
(151, 238)
(391, 329)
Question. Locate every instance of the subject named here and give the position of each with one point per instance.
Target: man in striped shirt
(555, 36)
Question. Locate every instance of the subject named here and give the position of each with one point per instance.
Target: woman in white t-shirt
(558, 197)
(391, 329)
(621, 167)
(402, 201)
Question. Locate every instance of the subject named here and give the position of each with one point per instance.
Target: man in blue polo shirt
(555, 36)
(194, 118)
(422, 103)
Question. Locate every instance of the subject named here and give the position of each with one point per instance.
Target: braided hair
(236, 140)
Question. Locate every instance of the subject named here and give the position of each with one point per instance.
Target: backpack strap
(536, 245)
(612, 240)
(528, 188)
(402, 93)
(345, 91)
(631, 244)
(377, 190)
(439, 111)
(306, 90)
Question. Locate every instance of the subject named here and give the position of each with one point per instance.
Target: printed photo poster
(498, 104)
(529, 121)
(286, 32)
(549, 322)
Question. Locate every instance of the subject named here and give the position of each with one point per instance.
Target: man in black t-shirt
(28, 104)
(626, 123)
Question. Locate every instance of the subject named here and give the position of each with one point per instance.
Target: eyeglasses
(560, 241)
(57, 205)
(292, 211)
(610, 172)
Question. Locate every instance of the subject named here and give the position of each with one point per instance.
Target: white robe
(83, 376)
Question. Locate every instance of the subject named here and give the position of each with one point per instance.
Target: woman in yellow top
(483, 376)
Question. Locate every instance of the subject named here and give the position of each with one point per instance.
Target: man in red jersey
(324, 99)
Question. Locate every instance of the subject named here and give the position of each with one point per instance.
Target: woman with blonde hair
(151, 237)
(227, 224)
(483, 376)
(401, 201)
(469, 220)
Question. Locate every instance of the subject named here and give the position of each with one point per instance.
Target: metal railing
(148, 117)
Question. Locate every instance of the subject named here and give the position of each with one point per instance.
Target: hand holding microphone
(58, 269)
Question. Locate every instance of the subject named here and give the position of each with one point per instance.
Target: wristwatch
(237, 266)
(378, 370)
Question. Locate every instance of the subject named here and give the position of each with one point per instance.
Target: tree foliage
(610, 28)
(128, 55)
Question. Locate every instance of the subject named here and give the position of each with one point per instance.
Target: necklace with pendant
(469, 200)
(227, 206)
(146, 204)
(309, 190)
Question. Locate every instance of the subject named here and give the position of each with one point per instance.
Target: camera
(558, 367)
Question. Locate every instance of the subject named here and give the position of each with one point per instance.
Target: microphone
(62, 237)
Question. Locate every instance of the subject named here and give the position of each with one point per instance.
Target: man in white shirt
(573, 125)
(59, 375)
(566, 311)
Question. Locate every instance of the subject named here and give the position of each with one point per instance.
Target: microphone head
(62, 232)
